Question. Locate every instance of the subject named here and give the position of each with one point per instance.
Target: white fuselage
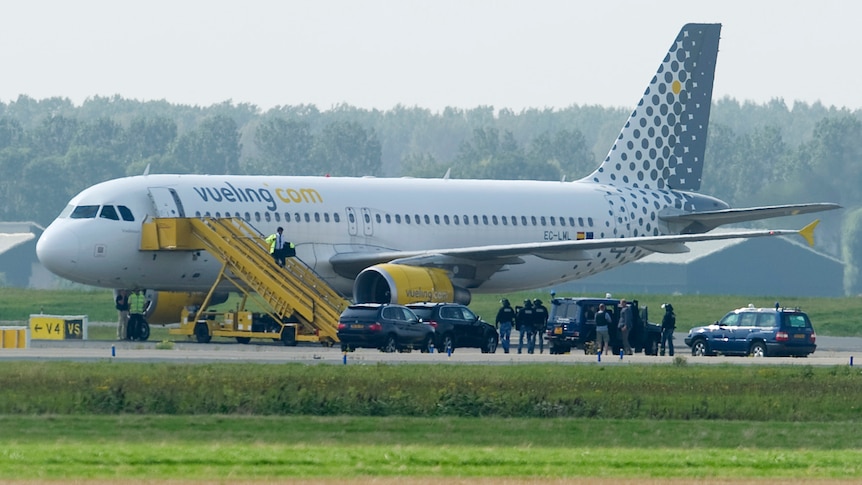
(326, 216)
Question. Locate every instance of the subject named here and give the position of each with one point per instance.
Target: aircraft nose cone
(58, 251)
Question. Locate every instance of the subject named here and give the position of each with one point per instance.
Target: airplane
(388, 239)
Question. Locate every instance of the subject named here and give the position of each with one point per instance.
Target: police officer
(524, 319)
(668, 324)
(540, 316)
(505, 320)
(122, 305)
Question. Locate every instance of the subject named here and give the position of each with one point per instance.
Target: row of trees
(756, 154)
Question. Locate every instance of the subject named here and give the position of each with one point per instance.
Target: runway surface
(830, 351)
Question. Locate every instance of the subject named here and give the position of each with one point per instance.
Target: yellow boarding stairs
(303, 306)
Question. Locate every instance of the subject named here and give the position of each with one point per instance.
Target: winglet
(808, 232)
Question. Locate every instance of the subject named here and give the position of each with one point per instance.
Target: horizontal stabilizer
(697, 222)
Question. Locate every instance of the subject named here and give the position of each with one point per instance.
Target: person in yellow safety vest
(276, 246)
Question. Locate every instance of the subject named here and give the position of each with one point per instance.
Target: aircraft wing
(498, 255)
(698, 222)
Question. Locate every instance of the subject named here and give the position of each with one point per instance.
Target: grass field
(229, 423)
(242, 448)
(111, 422)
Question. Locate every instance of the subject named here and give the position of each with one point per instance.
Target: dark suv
(383, 326)
(572, 324)
(457, 326)
(756, 331)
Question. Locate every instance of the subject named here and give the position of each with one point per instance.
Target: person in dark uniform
(668, 324)
(540, 316)
(505, 320)
(524, 320)
(122, 304)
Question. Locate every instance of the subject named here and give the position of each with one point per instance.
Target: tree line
(757, 154)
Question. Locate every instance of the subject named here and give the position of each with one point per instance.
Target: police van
(572, 324)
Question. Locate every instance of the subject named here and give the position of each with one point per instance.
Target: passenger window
(287, 217)
(446, 220)
(85, 212)
(494, 220)
(337, 218)
(266, 216)
(795, 321)
(766, 320)
(108, 212)
(427, 219)
(485, 220)
(125, 213)
(398, 218)
(307, 217)
(277, 216)
(731, 320)
(218, 215)
(256, 216)
(748, 320)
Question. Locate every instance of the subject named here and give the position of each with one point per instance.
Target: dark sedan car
(387, 327)
(759, 332)
(457, 326)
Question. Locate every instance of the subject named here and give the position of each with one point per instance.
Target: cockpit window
(85, 212)
(109, 212)
(126, 213)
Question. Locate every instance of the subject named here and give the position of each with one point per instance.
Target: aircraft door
(166, 201)
(351, 221)
(367, 222)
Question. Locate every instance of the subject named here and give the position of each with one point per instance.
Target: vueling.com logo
(229, 193)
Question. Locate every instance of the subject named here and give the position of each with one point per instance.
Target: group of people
(530, 320)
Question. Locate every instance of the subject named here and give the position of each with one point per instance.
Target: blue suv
(759, 332)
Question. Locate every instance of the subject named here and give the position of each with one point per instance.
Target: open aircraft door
(166, 202)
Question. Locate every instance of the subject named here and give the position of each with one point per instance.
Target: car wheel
(490, 344)
(447, 343)
(758, 349)
(699, 348)
(391, 345)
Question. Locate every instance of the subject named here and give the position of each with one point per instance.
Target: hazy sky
(432, 54)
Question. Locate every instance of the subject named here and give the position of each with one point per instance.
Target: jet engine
(398, 283)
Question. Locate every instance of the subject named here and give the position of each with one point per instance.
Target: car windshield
(360, 314)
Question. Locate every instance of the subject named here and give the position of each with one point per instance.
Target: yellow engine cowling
(398, 283)
(165, 307)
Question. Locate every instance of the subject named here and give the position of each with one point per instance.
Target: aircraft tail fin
(662, 144)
